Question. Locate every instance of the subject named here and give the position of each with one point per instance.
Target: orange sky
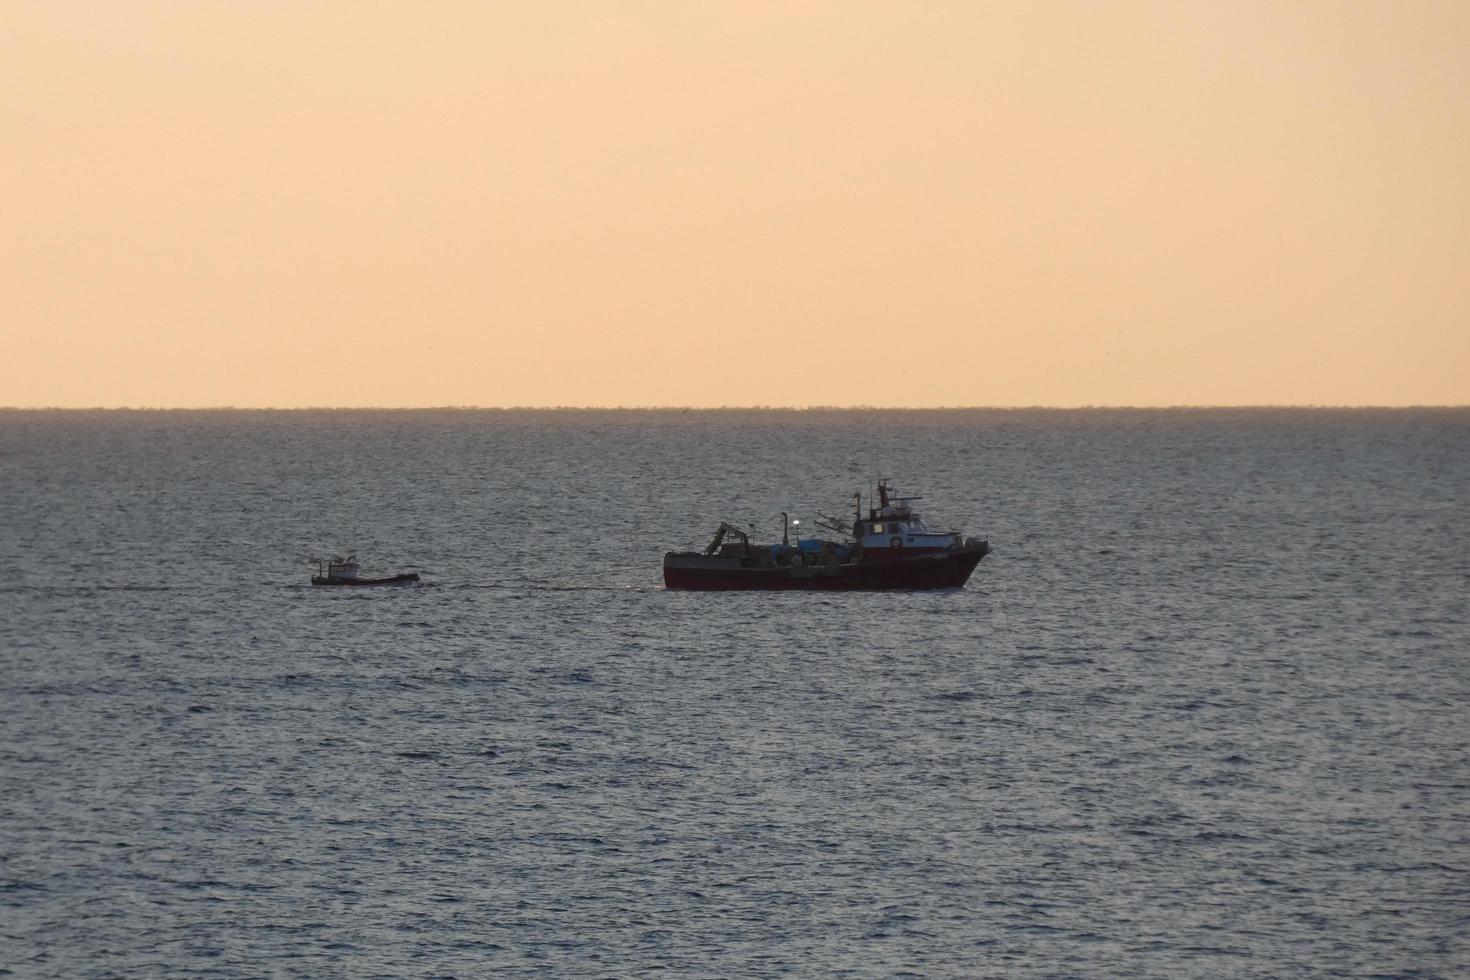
(259, 203)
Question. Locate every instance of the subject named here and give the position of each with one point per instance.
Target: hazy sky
(255, 203)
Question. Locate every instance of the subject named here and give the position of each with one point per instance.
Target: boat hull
(946, 570)
(403, 579)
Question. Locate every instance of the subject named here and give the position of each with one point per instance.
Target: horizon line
(731, 408)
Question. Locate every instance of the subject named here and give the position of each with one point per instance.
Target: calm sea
(1203, 712)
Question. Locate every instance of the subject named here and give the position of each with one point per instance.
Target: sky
(277, 204)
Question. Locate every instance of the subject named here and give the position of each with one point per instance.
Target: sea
(1202, 712)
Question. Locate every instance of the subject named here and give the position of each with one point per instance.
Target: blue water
(1201, 713)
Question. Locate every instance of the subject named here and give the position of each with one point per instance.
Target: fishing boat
(346, 571)
(888, 548)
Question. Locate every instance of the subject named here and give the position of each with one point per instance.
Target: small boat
(345, 571)
(890, 548)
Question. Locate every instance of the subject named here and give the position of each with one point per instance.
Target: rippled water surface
(1201, 713)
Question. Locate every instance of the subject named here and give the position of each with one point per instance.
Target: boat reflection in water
(890, 548)
(345, 571)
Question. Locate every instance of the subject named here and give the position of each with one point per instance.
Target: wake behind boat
(890, 548)
(345, 571)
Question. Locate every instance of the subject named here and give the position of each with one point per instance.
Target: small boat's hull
(944, 570)
(402, 579)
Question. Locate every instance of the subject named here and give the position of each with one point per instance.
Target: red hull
(391, 580)
(946, 570)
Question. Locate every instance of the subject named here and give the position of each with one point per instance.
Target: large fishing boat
(346, 571)
(889, 548)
